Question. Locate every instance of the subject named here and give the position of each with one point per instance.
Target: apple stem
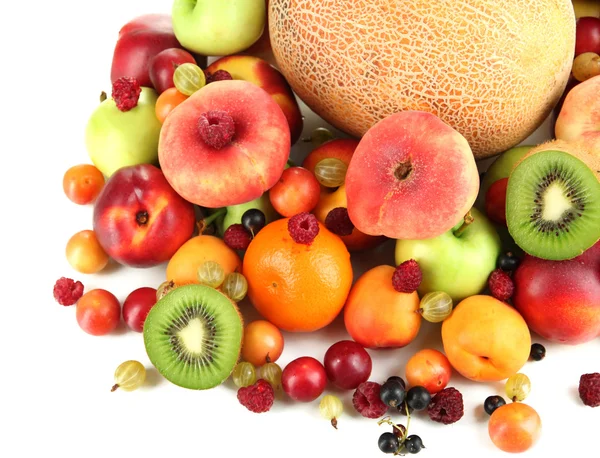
(204, 223)
(467, 221)
(103, 96)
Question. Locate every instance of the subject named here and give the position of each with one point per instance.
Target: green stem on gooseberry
(466, 222)
(204, 223)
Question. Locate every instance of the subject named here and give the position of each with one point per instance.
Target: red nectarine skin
(139, 219)
(261, 73)
(240, 171)
(560, 300)
(411, 177)
(139, 41)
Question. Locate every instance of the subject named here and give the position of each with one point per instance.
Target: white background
(55, 393)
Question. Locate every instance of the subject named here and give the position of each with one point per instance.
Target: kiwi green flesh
(193, 336)
(553, 206)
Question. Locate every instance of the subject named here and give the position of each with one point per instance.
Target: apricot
(515, 427)
(378, 316)
(183, 266)
(485, 339)
(428, 368)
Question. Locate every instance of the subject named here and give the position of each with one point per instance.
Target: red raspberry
(257, 398)
(67, 291)
(589, 389)
(367, 402)
(126, 93)
(407, 277)
(338, 221)
(219, 75)
(303, 228)
(237, 237)
(446, 406)
(216, 128)
(501, 285)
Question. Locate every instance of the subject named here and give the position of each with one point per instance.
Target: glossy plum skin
(136, 307)
(139, 219)
(347, 364)
(570, 313)
(587, 35)
(163, 65)
(304, 379)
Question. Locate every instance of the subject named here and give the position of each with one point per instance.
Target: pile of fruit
(192, 170)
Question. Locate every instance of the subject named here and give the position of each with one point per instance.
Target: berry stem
(334, 422)
(405, 435)
(204, 223)
(467, 221)
(114, 388)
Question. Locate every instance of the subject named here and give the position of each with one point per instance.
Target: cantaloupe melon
(492, 69)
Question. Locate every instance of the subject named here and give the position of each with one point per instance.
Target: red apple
(139, 41)
(163, 65)
(139, 219)
(560, 300)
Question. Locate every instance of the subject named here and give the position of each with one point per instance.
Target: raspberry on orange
(297, 287)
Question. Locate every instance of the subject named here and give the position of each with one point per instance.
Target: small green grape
(235, 286)
(244, 375)
(321, 135)
(271, 372)
(188, 78)
(518, 387)
(436, 306)
(211, 274)
(331, 172)
(164, 288)
(331, 408)
(129, 376)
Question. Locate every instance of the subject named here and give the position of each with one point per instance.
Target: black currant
(538, 352)
(392, 393)
(418, 398)
(398, 379)
(253, 220)
(492, 403)
(413, 444)
(388, 443)
(399, 430)
(508, 262)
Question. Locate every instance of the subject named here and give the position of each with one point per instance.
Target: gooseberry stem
(114, 388)
(466, 222)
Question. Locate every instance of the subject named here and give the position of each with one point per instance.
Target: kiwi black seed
(193, 336)
(553, 206)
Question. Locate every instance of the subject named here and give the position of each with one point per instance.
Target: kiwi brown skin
(577, 228)
(215, 336)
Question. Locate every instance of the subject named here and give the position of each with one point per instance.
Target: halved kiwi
(553, 206)
(193, 336)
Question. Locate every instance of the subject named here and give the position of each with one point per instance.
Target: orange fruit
(183, 266)
(297, 287)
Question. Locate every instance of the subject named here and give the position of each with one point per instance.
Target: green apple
(235, 212)
(116, 139)
(459, 261)
(502, 167)
(218, 27)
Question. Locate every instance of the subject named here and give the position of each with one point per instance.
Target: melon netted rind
(492, 69)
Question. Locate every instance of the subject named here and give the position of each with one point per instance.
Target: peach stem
(467, 221)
